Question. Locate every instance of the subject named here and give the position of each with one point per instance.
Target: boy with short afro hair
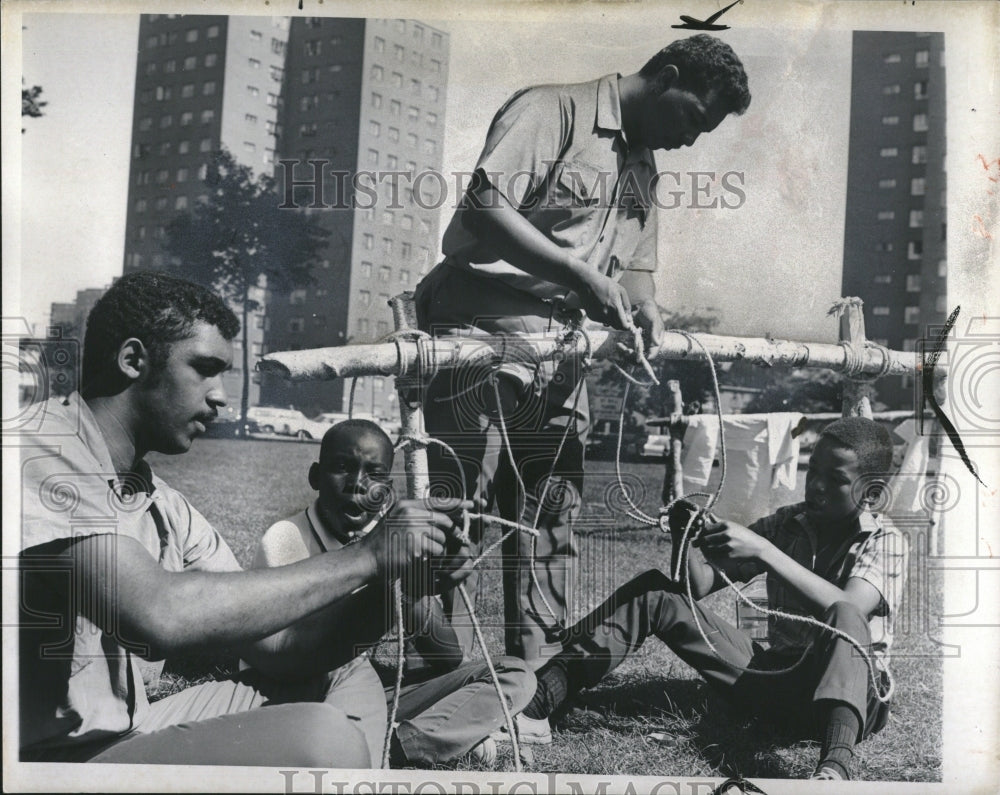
(446, 708)
(828, 557)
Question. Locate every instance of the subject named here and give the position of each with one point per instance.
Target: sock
(551, 691)
(841, 733)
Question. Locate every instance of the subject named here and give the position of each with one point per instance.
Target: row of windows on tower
(921, 58)
(163, 175)
(191, 35)
(412, 112)
(919, 89)
(429, 146)
(188, 64)
(416, 57)
(918, 154)
(162, 203)
(916, 220)
(416, 87)
(918, 187)
(919, 121)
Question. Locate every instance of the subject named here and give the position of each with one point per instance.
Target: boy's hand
(730, 541)
(413, 532)
(605, 300)
(647, 317)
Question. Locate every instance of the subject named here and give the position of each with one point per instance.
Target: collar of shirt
(609, 117)
(865, 526)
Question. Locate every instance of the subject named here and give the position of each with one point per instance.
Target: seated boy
(446, 709)
(829, 558)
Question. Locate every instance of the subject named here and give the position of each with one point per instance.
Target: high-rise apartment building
(202, 83)
(333, 98)
(363, 120)
(896, 225)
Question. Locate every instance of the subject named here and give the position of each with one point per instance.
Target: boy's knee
(517, 680)
(323, 736)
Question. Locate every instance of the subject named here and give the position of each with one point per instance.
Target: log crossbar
(400, 356)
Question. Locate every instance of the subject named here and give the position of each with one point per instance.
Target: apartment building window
(406, 251)
(140, 206)
(207, 116)
(919, 122)
(277, 46)
(183, 147)
(892, 57)
(277, 73)
(181, 203)
(212, 32)
(914, 250)
(202, 175)
(187, 90)
(162, 176)
(191, 62)
(296, 325)
(434, 92)
(919, 155)
(164, 149)
(418, 33)
(394, 134)
(430, 146)
(911, 315)
(211, 59)
(407, 222)
(913, 283)
(916, 219)
(363, 332)
(369, 241)
(191, 36)
(249, 118)
(435, 39)
(365, 297)
(411, 139)
(377, 72)
(395, 106)
(890, 120)
(145, 123)
(392, 162)
(272, 100)
(314, 47)
(166, 121)
(920, 89)
(387, 246)
(942, 270)
(376, 100)
(297, 297)
(917, 186)
(205, 145)
(256, 35)
(186, 118)
(399, 51)
(415, 86)
(435, 65)
(404, 277)
(892, 88)
(373, 157)
(310, 75)
(161, 204)
(921, 58)
(882, 278)
(416, 58)
(941, 303)
(886, 215)
(151, 41)
(308, 130)
(250, 146)
(374, 128)
(208, 88)
(432, 119)
(400, 25)
(182, 175)
(397, 79)
(384, 273)
(151, 68)
(268, 155)
(880, 311)
(888, 151)
(366, 269)
(309, 101)
(887, 183)
(413, 113)
(388, 217)
(379, 44)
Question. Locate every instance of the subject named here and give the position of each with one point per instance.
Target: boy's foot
(825, 773)
(530, 731)
(485, 753)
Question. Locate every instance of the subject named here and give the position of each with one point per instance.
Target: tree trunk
(245, 392)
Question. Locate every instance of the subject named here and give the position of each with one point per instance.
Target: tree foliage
(31, 105)
(810, 391)
(238, 240)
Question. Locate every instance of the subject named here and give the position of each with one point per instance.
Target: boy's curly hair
(704, 62)
(868, 439)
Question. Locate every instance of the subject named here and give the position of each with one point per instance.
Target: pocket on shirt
(580, 185)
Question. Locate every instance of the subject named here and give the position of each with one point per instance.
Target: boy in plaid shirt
(828, 558)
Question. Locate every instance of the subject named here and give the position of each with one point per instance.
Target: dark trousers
(651, 604)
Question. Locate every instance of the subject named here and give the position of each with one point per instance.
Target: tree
(238, 240)
(31, 106)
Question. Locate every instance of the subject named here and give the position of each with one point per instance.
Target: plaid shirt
(876, 552)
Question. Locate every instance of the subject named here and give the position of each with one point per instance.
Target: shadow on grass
(688, 712)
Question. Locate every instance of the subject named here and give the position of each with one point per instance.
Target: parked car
(270, 419)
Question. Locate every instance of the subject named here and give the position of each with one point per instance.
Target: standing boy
(446, 709)
(560, 217)
(117, 565)
(829, 558)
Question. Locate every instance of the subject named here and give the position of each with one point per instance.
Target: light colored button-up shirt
(559, 155)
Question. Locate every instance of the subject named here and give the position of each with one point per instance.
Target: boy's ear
(133, 359)
(314, 476)
(667, 77)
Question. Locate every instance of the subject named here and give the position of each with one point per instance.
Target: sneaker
(485, 753)
(825, 773)
(530, 731)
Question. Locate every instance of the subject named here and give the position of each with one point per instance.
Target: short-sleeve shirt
(875, 552)
(78, 684)
(559, 155)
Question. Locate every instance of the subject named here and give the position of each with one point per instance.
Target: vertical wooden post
(852, 331)
(411, 412)
(673, 476)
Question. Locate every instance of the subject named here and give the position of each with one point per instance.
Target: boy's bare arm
(495, 221)
(432, 633)
(729, 541)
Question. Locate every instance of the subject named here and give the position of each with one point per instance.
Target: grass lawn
(653, 715)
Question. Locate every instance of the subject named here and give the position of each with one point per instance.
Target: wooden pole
(411, 412)
(852, 331)
(673, 476)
